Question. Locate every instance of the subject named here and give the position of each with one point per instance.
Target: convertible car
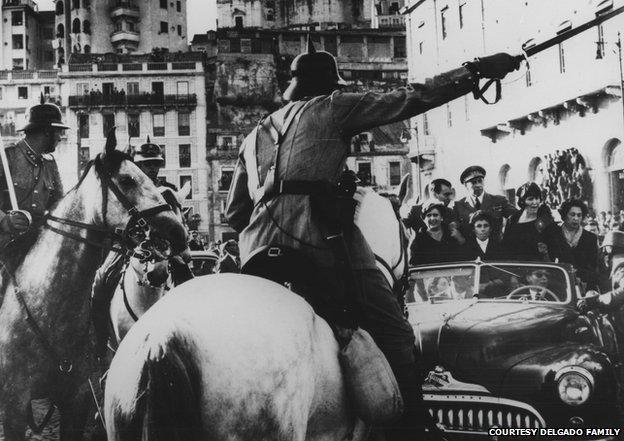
(505, 346)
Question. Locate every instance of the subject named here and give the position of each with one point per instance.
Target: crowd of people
(486, 226)
(565, 176)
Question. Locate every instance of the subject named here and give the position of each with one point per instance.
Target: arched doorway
(505, 187)
(615, 167)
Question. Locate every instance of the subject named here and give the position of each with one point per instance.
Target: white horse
(44, 318)
(232, 357)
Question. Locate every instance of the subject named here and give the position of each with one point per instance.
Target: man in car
(538, 282)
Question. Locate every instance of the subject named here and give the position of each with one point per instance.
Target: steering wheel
(544, 293)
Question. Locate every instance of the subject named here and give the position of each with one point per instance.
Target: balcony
(129, 38)
(125, 10)
(144, 99)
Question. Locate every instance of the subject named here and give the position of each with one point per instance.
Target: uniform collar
(33, 157)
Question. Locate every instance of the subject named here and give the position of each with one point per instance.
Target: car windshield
(504, 282)
(202, 265)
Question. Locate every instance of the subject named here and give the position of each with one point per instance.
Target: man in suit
(440, 190)
(498, 207)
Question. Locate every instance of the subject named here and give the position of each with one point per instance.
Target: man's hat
(313, 73)
(472, 172)
(148, 152)
(44, 116)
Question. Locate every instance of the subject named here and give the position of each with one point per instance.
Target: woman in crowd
(436, 243)
(524, 234)
(480, 244)
(570, 243)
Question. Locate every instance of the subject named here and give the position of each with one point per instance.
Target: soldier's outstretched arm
(356, 112)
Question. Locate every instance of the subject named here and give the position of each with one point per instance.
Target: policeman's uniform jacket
(496, 206)
(314, 146)
(36, 181)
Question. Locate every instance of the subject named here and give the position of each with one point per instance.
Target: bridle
(137, 224)
(139, 221)
(122, 285)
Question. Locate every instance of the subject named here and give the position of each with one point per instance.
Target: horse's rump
(250, 355)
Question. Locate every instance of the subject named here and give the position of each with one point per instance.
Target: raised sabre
(529, 50)
(7, 175)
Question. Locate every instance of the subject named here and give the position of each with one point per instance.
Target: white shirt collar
(483, 243)
(473, 199)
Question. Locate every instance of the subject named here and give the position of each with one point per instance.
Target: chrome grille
(476, 414)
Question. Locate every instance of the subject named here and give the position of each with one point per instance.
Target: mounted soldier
(30, 181)
(287, 191)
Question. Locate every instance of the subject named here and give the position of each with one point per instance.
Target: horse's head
(152, 273)
(129, 200)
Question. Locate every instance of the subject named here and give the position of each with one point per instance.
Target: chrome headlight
(574, 385)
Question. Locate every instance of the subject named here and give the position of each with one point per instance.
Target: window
(561, 59)
(75, 4)
(184, 128)
(118, 26)
(179, 6)
(76, 26)
(87, 49)
(17, 18)
(270, 15)
(180, 30)
(227, 173)
(364, 173)
(184, 155)
(22, 91)
(108, 122)
(425, 124)
(132, 88)
(394, 8)
(130, 26)
(331, 45)
(224, 46)
(400, 51)
(164, 27)
(184, 180)
(394, 172)
(134, 125)
(527, 78)
(183, 88)
(60, 9)
(84, 156)
(82, 88)
(600, 52)
(159, 124)
(163, 4)
(226, 142)
(18, 41)
(86, 27)
(49, 90)
(83, 125)
(245, 45)
(238, 21)
(1, 93)
(86, 4)
(443, 24)
(462, 10)
(60, 31)
(421, 45)
(449, 115)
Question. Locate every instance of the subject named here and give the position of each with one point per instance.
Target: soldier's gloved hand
(494, 66)
(15, 222)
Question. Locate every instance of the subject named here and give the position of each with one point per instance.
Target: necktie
(477, 204)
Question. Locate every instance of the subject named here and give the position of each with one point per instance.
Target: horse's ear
(111, 142)
(184, 191)
(41, 99)
(405, 188)
(128, 149)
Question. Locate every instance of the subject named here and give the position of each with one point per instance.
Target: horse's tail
(168, 404)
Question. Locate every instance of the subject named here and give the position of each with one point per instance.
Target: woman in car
(524, 234)
(570, 243)
(436, 243)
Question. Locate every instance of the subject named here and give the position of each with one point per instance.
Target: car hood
(479, 341)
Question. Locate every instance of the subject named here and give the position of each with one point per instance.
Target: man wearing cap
(498, 207)
(150, 160)
(286, 190)
(33, 171)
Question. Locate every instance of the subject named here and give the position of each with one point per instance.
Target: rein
(122, 285)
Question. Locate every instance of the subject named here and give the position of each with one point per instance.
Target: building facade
(162, 96)
(103, 26)
(566, 104)
(294, 14)
(252, 68)
(386, 14)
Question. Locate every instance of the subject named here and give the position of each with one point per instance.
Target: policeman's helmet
(313, 73)
(44, 116)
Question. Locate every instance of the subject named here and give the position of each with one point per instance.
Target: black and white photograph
(311, 220)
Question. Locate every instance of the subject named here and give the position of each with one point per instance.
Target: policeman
(150, 160)
(35, 175)
(290, 161)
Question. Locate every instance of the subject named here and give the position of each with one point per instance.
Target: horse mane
(110, 162)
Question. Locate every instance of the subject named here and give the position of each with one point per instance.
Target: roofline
(410, 6)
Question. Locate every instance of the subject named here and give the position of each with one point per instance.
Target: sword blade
(557, 39)
(7, 176)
